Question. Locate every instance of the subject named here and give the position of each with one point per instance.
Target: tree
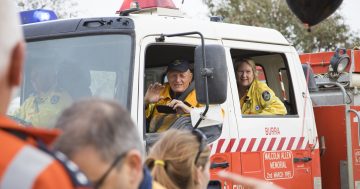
(328, 35)
(63, 8)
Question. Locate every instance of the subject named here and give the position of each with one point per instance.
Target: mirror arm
(205, 72)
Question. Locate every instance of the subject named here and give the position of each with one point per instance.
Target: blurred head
(11, 51)
(179, 75)
(43, 77)
(185, 160)
(245, 72)
(101, 139)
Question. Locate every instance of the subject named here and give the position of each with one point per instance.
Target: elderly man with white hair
(25, 160)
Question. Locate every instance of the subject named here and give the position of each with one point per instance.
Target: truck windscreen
(60, 71)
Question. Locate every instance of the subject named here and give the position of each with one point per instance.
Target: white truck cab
(118, 57)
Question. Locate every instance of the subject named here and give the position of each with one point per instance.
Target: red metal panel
(357, 60)
(330, 121)
(320, 61)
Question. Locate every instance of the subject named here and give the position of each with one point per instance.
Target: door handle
(219, 165)
(304, 159)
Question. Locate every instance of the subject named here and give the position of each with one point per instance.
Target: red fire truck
(333, 84)
(118, 57)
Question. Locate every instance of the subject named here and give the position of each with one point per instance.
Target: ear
(133, 162)
(16, 64)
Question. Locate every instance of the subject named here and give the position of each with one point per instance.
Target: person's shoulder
(264, 90)
(166, 89)
(262, 86)
(167, 85)
(54, 175)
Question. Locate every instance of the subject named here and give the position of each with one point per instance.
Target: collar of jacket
(250, 92)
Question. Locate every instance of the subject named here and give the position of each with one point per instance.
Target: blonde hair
(177, 149)
(250, 62)
(10, 32)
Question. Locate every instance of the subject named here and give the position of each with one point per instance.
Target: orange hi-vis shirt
(23, 166)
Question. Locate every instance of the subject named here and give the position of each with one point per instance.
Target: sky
(350, 9)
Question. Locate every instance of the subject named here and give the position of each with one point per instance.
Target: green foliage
(327, 35)
(62, 8)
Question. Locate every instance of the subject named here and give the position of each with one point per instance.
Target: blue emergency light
(38, 15)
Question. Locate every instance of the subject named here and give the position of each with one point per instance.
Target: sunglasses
(97, 184)
(201, 137)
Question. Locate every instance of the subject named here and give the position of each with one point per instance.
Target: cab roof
(153, 24)
(144, 25)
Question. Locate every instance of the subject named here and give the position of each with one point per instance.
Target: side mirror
(216, 68)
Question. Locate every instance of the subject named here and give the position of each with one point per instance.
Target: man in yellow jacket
(256, 97)
(178, 94)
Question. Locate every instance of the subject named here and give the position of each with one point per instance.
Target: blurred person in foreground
(180, 160)
(101, 138)
(25, 160)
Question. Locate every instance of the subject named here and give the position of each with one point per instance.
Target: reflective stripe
(25, 168)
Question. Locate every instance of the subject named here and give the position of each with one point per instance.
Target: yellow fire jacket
(156, 117)
(260, 99)
(42, 111)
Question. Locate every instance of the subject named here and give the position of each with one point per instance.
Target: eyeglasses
(97, 184)
(201, 137)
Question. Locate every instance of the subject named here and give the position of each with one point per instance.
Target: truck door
(278, 148)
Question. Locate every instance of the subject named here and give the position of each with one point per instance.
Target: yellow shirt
(260, 99)
(42, 111)
(152, 113)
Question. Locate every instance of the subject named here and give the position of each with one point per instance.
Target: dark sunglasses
(201, 137)
(97, 184)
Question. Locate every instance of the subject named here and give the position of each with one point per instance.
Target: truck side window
(268, 91)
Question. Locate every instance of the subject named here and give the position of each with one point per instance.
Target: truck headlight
(339, 61)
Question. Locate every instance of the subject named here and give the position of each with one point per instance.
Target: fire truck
(333, 79)
(119, 57)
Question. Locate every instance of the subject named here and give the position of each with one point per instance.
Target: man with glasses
(101, 139)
